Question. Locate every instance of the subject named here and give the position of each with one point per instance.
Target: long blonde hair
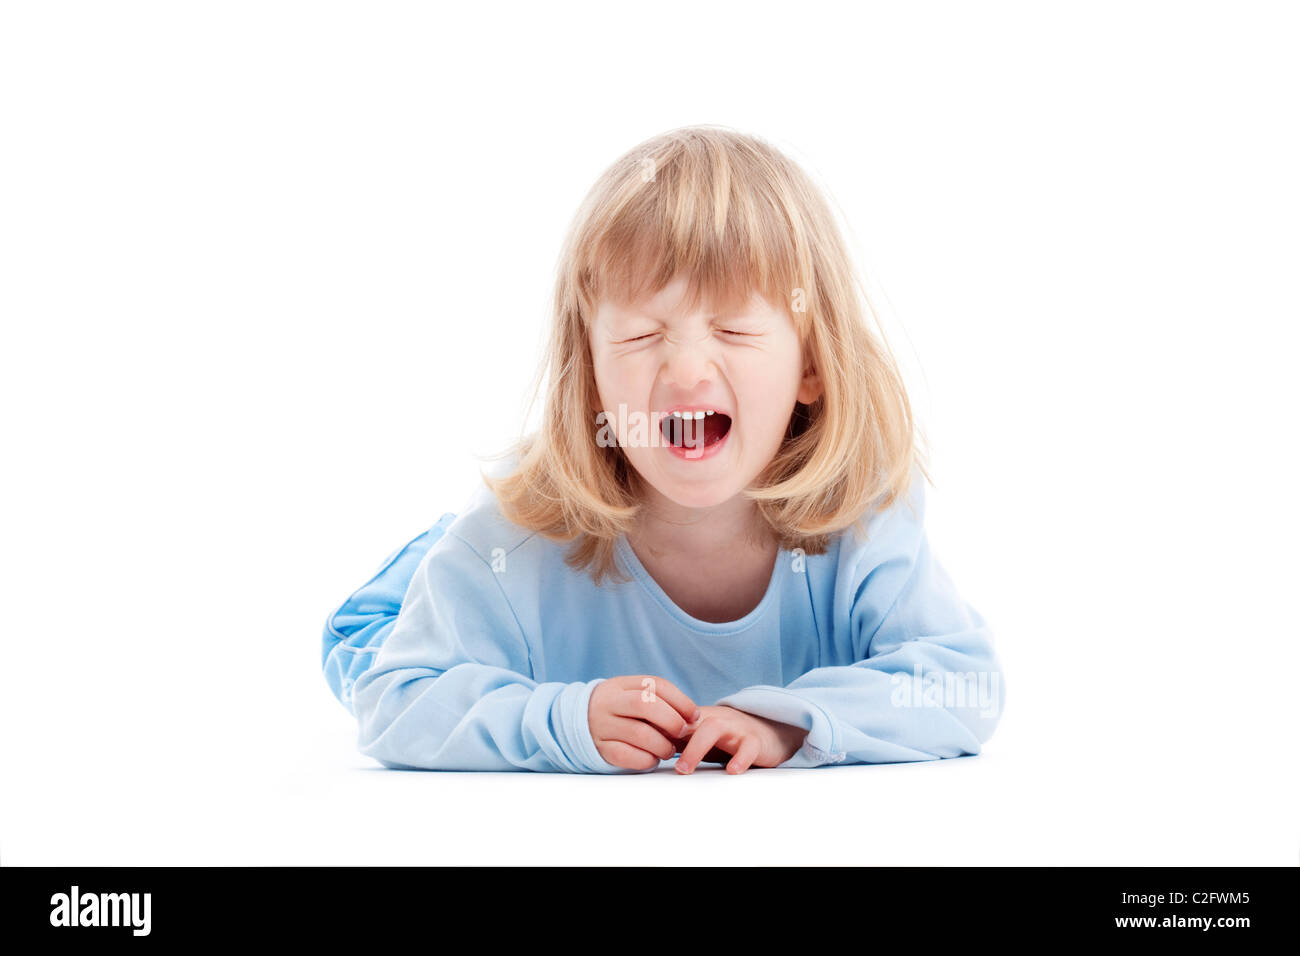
(733, 215)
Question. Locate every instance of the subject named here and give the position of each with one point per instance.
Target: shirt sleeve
(925, 681)
(451, 687)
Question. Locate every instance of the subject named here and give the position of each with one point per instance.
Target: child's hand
(749, 739)
(636, 720)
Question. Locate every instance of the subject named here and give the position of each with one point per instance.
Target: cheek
(624, 375)
(609, 378)
(770, 390)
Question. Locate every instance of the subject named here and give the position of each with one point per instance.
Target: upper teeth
(692, 414)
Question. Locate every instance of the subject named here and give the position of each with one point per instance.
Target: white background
(273, 274)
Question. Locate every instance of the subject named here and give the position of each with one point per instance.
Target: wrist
(789, 738)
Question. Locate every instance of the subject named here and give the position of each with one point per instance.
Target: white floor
(303, 795)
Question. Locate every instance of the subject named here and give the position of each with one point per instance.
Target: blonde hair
(733, 216)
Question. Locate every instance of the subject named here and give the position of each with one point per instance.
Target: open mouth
(695, 430)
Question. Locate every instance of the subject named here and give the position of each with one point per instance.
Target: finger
(624, 755)
(668, 691)
(746, 754)
(642, 736)
(701, 741)
(655, 711)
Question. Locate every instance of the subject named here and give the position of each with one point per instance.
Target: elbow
(394, 722)
(377, 704)
(974, 696)
(364, 697)
(989, 702)
(985, 687)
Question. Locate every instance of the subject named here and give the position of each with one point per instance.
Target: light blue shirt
(493, 655)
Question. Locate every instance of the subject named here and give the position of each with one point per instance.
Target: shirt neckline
(652, 587)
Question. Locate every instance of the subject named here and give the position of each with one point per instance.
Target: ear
(810, 386)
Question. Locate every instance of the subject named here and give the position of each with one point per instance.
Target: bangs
(690, 209)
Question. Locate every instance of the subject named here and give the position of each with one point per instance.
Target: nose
(688, 363)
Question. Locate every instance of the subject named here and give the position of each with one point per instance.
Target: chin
(688, 500)
(712, 485)
(702, 493)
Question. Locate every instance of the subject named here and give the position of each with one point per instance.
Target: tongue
(695, 432)
(715, 426)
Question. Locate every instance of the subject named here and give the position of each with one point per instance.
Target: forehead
(673, 303)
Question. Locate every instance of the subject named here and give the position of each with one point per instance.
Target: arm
(925, 682)
(451, 688)
(356, 631)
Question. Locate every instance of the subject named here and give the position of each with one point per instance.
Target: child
(714, 545)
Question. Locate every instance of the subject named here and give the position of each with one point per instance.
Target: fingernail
(696, 716)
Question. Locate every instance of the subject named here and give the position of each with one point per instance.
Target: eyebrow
(736, 312)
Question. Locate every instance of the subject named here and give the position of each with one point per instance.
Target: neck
(668, 528)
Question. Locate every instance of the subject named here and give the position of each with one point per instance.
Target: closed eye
(650, 335)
